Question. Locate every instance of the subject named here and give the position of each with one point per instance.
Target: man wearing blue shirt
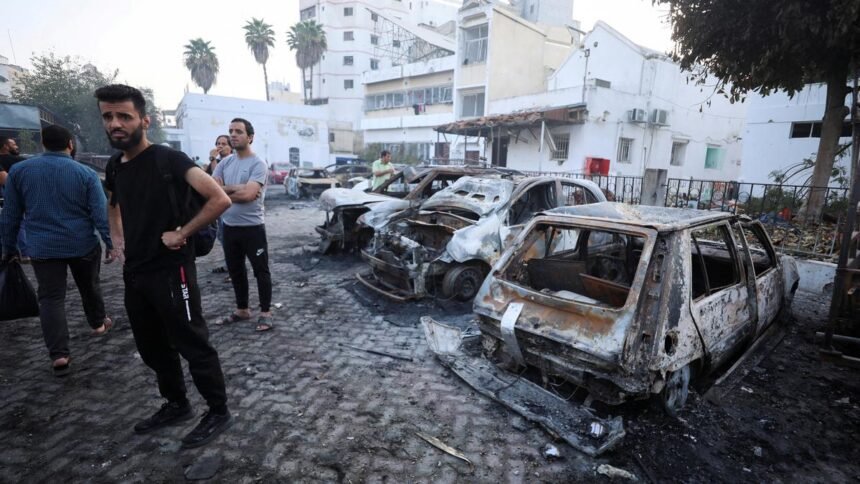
(65, 206)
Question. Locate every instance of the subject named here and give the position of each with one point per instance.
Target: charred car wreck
(630, 302)
(447, 245)
(343, 207)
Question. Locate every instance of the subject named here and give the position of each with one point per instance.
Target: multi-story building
(611, 107)
(8, 77)
(364, 36)
(781, 132)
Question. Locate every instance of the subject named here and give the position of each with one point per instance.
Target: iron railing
(627, 189)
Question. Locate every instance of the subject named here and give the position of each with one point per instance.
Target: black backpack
(201, 242)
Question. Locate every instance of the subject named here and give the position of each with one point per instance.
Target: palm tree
(308, 40)
(259, 36)
(201, 60)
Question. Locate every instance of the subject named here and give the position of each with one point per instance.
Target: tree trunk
(312, 82)
(266, 80)
(831, 128)
(305, 85)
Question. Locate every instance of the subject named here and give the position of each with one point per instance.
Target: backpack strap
(163, 164)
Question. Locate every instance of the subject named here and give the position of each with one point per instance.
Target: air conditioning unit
(636, 116)
(660, 117)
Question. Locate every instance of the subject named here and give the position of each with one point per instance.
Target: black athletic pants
(167, 321)
(51, 276)
(250, 242)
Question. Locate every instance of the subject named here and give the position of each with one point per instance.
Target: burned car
(631, 302)
(343, 207)
(446, 245)
(308, 182)
(349, 174)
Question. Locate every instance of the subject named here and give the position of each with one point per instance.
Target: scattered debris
(748, 390)
(250, 370)
(757, 451)
(377, 352)
(597, 429)
(204, 468)
(445, 448)
(613, 472)
(551, 452)
(843, 401)
(278, 305)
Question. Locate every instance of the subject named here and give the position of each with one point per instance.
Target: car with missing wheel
(308, 182)
(446, 245)
(631, 302)
(344, 207)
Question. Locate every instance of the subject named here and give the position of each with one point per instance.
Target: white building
(8, 77)
(613, 107)
(283, 132)
(781, 132)
(365, 36)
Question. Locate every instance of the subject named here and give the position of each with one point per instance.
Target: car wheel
(675, 391)
(462, 282)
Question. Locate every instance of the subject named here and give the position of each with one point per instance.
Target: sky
(145, 40)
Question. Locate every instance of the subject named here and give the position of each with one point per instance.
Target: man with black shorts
(162, 297)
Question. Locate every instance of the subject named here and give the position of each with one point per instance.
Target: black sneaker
(210, 426)
(169, 413)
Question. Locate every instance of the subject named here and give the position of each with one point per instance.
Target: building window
(374, 64)
(679, 152)
(308, 84)
(347, 60)
(812, 129)
(330, 137)
(476, 43)
(374, 17)
(348, 35)
(294, 156)
(374, 39)
(562, 143)
(395, 43)
(473, 105)
(347, 11)
(625, 150)
(714, 158)
(347, 84)
(308, 13)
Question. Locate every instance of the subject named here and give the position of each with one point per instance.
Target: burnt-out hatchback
(632, 301)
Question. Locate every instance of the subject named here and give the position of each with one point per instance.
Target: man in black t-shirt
(9, 155)
(162, 298)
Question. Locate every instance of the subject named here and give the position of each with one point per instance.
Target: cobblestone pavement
(308, 408)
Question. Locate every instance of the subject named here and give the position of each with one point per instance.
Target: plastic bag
(17, 297)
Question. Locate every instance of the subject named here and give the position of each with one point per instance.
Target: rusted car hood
(340, 197)
(479, 195)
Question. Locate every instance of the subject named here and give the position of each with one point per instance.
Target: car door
(768, 280)
(719, 295)
(525, 203)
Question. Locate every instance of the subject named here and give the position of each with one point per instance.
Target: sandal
(107, 325)
(264, 323)
(64, 369)
(230, 319)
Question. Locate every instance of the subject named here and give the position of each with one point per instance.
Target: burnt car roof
(664, 219)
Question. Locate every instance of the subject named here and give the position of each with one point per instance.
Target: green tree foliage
(65, 87)
(769, 45)
(201, 61)
(308, 39)
(259, 36)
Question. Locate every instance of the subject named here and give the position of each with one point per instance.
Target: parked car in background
(347, 174)
(631, 302)
(308, 182)
(447, 245)
(343, 207)
(278, 172)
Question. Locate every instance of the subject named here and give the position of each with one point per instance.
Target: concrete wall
(515, 58)
(768, 145)
(816, 277)
(278, 127)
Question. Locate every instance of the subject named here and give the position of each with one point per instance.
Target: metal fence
(778, 207)
(627, 189)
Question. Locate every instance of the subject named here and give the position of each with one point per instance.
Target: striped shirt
(63, 202)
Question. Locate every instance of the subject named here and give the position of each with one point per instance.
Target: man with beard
(9, 155)
(64, 214)
(162, 297)
(243, 176)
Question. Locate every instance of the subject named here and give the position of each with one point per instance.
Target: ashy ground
(311, 408)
